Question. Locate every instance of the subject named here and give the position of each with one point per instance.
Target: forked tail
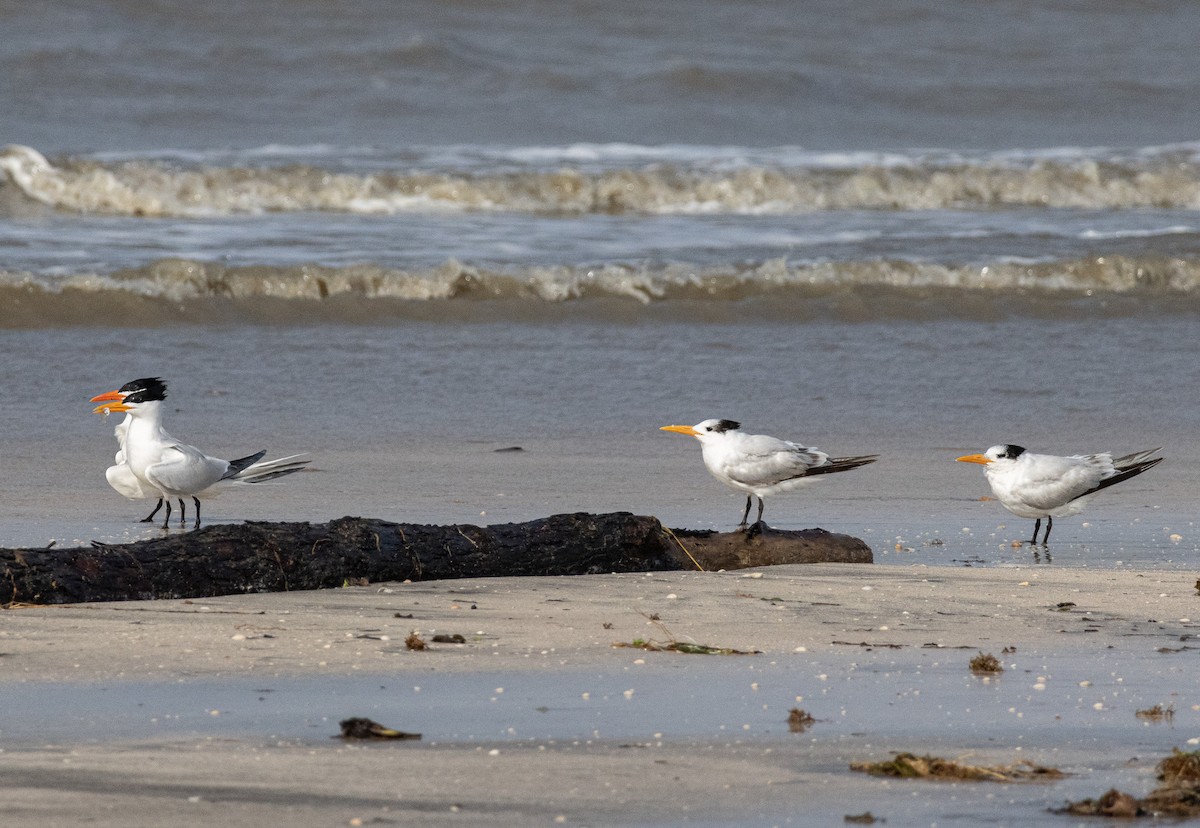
(841, 464)
(249, 470)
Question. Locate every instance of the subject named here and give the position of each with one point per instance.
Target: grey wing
(1051, 481)
(184, 469)
(768, 458)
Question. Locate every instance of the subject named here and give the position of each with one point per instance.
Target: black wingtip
(238, 466)
(1124, 474)
(841, 464)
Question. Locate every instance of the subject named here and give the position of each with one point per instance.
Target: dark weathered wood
(226, 559)
(770, 547)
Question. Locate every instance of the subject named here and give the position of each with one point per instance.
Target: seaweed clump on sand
(1158, 713)
(674, 645)
(986, 663)
(363, 728)
(799, 720)
(909, 766)
(1180, 766)
(1178, 795)
(682, 647)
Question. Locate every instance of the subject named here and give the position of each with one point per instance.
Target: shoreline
(537, 717)
(909, 603)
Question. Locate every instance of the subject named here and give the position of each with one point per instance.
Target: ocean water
(402, 236)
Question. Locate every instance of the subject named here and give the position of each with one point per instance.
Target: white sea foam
(701, 180)
(182, 281)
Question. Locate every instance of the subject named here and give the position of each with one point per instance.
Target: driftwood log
(226, 559)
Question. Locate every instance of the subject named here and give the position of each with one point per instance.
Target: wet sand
(225, 710)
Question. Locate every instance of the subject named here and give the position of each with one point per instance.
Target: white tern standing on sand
(1048, 486)
(119, 475)
(759, 464)
(164, 466)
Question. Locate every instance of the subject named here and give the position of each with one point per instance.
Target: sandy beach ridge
(814, 625)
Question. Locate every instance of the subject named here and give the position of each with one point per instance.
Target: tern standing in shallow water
(169, 468)
(759, 464)
(1048, 486)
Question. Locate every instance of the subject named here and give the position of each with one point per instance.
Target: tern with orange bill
(163, 466)
(1047, 486)
(761, 465)
(119, 475)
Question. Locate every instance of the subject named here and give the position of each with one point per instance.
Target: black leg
(1049, 526)
(182, 513)
(746, 513)
(150, 516)
(196, 500)
(757, 527)
(1037, 524)
(167, 519)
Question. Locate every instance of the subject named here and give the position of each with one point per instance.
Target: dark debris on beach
(1177, 796)
(910, 766)
(231, 559)
(364, 728)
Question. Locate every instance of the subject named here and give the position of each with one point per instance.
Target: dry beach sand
(224, 711)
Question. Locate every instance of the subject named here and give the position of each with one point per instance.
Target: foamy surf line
(185, 279)
(174, 290)
(552, 183)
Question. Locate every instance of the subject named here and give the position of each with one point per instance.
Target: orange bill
(111, 395)
(974, 458)
(110, 407)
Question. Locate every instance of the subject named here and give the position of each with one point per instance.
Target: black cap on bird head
(145, 384)
(145, 390)
(722, 426)
(1011, 452)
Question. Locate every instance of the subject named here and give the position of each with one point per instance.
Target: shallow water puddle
(1075, 712)
(896, 699)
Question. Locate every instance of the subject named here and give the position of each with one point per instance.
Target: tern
(119, 475)
(1048, 486)
(759, 464)
(162, 465)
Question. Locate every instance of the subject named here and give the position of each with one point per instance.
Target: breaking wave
(177, 289)
(649, 183)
